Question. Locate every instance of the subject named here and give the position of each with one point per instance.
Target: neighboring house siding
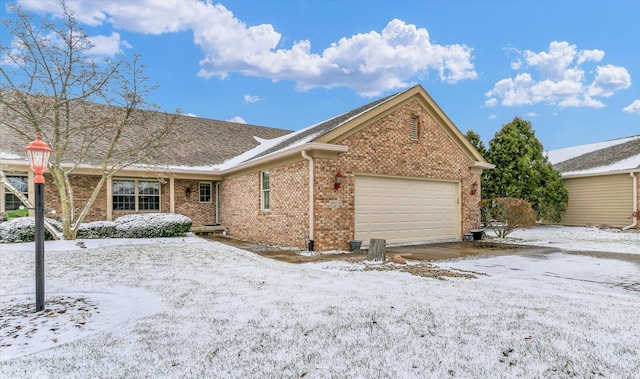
(287, 221)
(599, 200)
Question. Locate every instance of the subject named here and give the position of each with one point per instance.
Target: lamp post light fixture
(39, 153)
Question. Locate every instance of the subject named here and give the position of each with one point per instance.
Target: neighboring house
(602, 179)
(396, 168)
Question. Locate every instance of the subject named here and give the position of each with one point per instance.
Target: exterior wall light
(187, 192)
(39, 153)
(338, 180)
(474, 188)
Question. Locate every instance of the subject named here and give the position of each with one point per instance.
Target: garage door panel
(403, 210)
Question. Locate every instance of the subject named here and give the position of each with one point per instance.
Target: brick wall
(286, 223)
(82, 188)
(383, 148)
(199, 213)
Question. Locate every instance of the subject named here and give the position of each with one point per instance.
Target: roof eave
(482, 165)
(615, 172)
(286, 153)
(137, 171)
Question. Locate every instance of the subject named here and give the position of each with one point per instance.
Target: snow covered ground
(188, 307)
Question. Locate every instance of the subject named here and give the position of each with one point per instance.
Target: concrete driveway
(425, 252)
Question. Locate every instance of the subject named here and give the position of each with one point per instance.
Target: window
(11, 201)
(264, 190)
(205, 192)
(136, 195)
(414, 128)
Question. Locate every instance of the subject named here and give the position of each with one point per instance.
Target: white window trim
(264, 192)
(3, 190)
(210, 192)
(136, 196)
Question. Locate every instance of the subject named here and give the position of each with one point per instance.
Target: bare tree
(91, 112)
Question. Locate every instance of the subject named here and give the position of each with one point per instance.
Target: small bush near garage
(152, 225)
(506, 214)
(22, 229)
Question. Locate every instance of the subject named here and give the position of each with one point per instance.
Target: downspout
(310, 159)
(635, 203)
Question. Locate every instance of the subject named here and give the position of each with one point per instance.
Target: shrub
(97, 229)
(152, 225)
(22, 229)
(506, 214)
(131, 226)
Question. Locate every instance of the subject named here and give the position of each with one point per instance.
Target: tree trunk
(65, 203)
(377, 250)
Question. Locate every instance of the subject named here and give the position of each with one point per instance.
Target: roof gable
(396, 101)
(340, 127)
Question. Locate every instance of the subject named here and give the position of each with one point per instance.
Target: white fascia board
(91, 169)
(482, 165)
(295, 150)
(577, 174)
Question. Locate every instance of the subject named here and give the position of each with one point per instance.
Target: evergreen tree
(475, 140)
(522, 171)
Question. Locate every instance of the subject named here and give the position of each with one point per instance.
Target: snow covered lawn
(188, 307)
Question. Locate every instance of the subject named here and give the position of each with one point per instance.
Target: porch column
(172, 195)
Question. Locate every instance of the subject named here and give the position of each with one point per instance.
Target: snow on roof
(6, 155)
(561, 155)
(622, 154)
(625, 164)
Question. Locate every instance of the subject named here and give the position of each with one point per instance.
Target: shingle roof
(311, 133)
(198, 142)
(609, 156)
(194, 141)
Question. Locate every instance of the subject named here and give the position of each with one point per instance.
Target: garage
(406, 210)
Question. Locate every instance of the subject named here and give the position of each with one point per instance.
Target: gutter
(311, 199)
(635, 203)
(312, 146)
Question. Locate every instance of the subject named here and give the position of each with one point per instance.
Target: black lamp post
(39, 153)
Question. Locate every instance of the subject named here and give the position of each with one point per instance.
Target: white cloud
(633, 107)
(237, 119)
(250, 99)
(609, 79)
(531, 114)
(590, 55)
(557, 77)
(369, 63)
(491, 102)
(492, 117)
(191, 114)
(107, 45)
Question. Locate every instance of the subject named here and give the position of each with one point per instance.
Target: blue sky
(570, 67)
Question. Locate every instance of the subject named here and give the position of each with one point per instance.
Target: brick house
(396, 168)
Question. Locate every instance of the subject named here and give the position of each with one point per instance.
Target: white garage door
(404, 210)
